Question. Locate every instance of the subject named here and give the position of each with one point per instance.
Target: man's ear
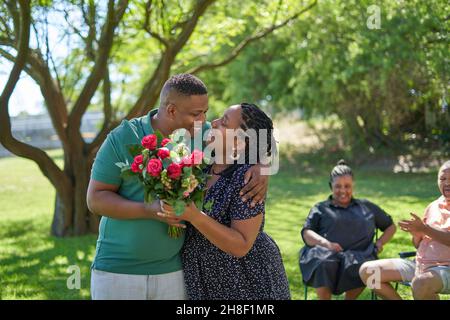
(171, 110)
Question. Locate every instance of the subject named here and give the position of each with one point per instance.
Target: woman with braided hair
(226, 254)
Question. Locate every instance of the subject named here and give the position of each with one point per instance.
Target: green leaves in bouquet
(123, 165)
(135, 149)
(166, 162)
(199, 173)
(179, 207)
(125, 171)
(208, 205)
(159, 137)
(187, 171)
(148, 196)
(159, 186)
(177, 204)
(197, 197)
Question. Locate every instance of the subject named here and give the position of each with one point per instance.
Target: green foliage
(386, 85)
(179, 206)
(135, 149)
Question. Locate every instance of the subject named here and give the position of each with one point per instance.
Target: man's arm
(438, 235)
(416, 225)
(416, 238)
(103, 199)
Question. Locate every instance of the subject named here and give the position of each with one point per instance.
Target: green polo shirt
(134, 246)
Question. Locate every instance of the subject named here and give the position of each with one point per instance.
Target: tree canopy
(115, 56)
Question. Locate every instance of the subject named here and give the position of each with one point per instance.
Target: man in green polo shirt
(135, 258)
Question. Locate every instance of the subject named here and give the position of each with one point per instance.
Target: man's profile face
(186, 110)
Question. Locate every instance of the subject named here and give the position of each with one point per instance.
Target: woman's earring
(235, 156)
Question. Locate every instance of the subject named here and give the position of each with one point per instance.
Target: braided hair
(341, 169)
(254, 118)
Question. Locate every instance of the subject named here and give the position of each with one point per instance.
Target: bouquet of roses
(169, 172)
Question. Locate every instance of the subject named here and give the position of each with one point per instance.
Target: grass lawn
(34, 265)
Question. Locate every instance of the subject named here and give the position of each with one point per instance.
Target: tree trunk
(71, 216)
(63, 211)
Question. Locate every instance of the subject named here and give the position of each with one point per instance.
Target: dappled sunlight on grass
(34, 265)
(293, 194)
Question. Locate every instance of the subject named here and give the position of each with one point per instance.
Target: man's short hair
(185, 84)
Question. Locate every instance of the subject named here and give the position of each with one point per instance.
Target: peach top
(430, 252)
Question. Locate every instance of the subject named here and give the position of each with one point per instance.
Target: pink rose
(149, 142)
(154, 167)
(186, 162)
(174, 171)
(196, 157)
(163, 153)
(165, 141)
(136, 166)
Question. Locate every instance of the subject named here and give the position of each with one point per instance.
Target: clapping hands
(414, 226)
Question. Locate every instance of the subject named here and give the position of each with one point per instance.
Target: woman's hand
(190, 212)
(334, 246)
(167, 214)
(313, 239)
(379, 244)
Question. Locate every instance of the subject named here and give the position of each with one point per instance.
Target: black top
(211, 273)
(352, 227)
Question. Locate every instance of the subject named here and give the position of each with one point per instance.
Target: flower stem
(175, 232)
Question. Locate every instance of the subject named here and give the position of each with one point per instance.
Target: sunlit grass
(33, 265)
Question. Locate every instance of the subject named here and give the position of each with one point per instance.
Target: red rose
(196, 157)
(149, 142)
(174, 171)
(137, 162)
(163, 153)
(154, 167)
(165, 141)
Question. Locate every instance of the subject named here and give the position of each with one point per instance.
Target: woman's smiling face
(228, 123)
(342, 190)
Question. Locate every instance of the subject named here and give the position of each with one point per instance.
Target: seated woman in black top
(226, 254)
(339, 234)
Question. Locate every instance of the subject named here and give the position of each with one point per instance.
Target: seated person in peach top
(429, 274)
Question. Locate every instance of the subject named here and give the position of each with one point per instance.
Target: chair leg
(373, 295)
(306, 292)
(396, 286)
